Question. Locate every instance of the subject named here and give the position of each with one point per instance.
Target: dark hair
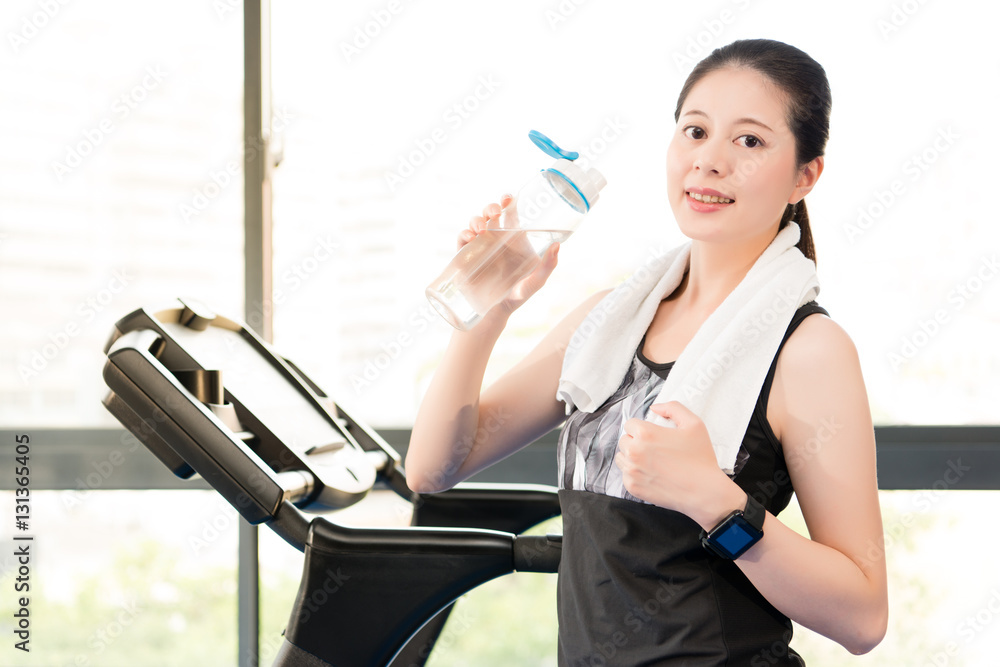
(803, 81)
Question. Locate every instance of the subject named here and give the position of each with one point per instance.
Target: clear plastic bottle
(547, 209)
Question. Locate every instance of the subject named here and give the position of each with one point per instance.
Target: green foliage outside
(147, 608)
(140, 610)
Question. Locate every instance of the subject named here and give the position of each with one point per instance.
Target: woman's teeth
(709, 199)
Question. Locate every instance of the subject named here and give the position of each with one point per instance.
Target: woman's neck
(714, 271)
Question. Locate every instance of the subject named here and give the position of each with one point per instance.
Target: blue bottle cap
(550, 146)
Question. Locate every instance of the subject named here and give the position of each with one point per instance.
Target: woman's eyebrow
(739, 121)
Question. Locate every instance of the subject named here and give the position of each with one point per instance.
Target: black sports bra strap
(804, 311)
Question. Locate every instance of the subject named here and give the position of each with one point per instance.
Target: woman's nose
(711, 156)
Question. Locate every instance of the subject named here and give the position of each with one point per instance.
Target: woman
(638, 583)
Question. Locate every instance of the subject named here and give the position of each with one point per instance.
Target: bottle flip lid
(550, 146)
(587, 184)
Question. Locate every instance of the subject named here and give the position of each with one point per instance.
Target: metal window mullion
(258, 282)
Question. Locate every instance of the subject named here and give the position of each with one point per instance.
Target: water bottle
(547, 209)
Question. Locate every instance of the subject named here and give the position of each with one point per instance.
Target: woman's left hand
(674, 468)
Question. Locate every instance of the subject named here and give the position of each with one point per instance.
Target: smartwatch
(737, 532)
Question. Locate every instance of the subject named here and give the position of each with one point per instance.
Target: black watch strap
(754, 513)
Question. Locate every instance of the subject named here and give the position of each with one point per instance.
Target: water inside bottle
(486, 269)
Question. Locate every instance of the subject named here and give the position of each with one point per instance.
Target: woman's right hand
(530, 283)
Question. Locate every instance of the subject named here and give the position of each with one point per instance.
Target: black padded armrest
(506, 507)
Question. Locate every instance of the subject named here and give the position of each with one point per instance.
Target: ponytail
(799, 214)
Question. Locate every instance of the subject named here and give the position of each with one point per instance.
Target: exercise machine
(209, 398)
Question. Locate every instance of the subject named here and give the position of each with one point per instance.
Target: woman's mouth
(709, 199)
(705, 202)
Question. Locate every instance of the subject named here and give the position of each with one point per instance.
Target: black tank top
(635, 585)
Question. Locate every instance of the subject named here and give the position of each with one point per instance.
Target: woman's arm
(457, 432)
(835, 582)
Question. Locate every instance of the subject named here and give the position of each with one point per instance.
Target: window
(121, 187)
(120, 578)
(406, 118)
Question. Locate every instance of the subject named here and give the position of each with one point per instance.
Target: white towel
(719, 374)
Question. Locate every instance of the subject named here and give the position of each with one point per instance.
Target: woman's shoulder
(817, 342)
(817, 366)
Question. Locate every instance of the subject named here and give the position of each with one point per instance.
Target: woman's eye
(694, 132)
(750, 141)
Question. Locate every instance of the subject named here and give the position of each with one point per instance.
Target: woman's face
(732, 143)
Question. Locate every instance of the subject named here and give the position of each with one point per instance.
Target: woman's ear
(808, 175)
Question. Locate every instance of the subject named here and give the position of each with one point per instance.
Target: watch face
(734, 537)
